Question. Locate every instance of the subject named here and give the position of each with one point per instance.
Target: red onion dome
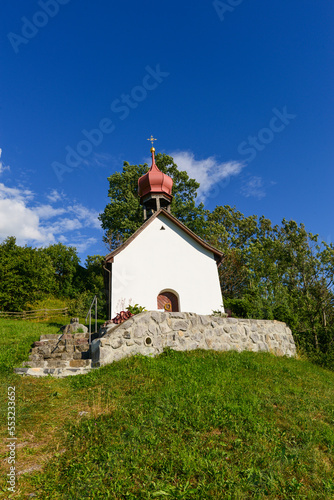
(154, 181)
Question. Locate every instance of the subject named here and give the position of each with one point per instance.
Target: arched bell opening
(169, 301)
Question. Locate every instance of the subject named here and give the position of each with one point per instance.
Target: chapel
(163, 265)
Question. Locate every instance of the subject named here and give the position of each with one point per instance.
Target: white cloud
(87, 216)
(82, 244)
(2, 166)
(43, 224)
(254, 187)
(15, 193)
(208, 172)
(55, 196)
(16, 219)
(48, 212)
(62, 225)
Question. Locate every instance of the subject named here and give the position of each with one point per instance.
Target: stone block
(82, 348)
(81, 341)
(55, 363)
(143, 319)
(45, 352)
(69, 348)
(34, 357)
(116, 343)
(75, 355)
(139, 331)
(78, 363)
(254, 337)
(50, 336)
(209, 342)
(39, 343)
(67, 355)
(164, 328)
(180, 325)
(81, 335)
(158, 317)
(204, 320)
(152, 328)
(176, 315)
(220, 321)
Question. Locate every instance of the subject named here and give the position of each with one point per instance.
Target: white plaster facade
(168, 259)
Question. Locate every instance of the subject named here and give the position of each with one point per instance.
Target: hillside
(199, 425)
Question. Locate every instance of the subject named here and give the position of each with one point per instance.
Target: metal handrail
(90, 318)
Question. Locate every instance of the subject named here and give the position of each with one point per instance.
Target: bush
(136, 309)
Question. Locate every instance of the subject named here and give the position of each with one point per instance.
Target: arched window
(168, 301)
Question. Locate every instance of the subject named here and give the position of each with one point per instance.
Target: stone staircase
(59, 355)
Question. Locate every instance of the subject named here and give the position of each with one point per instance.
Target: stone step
(55, 372)
(67, 336)
(49, 353)
(50, 336)
(59, 363)
(60, 352)
(53, 343)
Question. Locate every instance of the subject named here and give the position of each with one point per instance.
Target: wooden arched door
(168, 301)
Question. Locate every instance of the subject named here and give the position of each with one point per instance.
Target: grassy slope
(198, 425)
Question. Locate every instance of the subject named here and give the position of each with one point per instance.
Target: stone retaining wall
(150, 332)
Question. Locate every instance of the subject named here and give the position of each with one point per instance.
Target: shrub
(136, 309)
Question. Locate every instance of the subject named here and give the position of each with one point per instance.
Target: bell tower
(155, 188)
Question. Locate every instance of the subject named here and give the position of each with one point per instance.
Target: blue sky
(240, 92)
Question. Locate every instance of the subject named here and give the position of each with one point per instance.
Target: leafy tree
(92, 283)
(94, 273)
(124, 215)
(26, 275)
(68, 273)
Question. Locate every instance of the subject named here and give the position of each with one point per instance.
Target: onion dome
(154, 182)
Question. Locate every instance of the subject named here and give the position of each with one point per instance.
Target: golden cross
(152, 140)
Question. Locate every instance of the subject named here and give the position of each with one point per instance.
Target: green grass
(199, 425)
(16, 338)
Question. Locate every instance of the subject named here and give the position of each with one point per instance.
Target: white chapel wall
(168, 259)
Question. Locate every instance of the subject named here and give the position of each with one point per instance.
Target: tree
(26, 275)
(67, 271)
(124, 215)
